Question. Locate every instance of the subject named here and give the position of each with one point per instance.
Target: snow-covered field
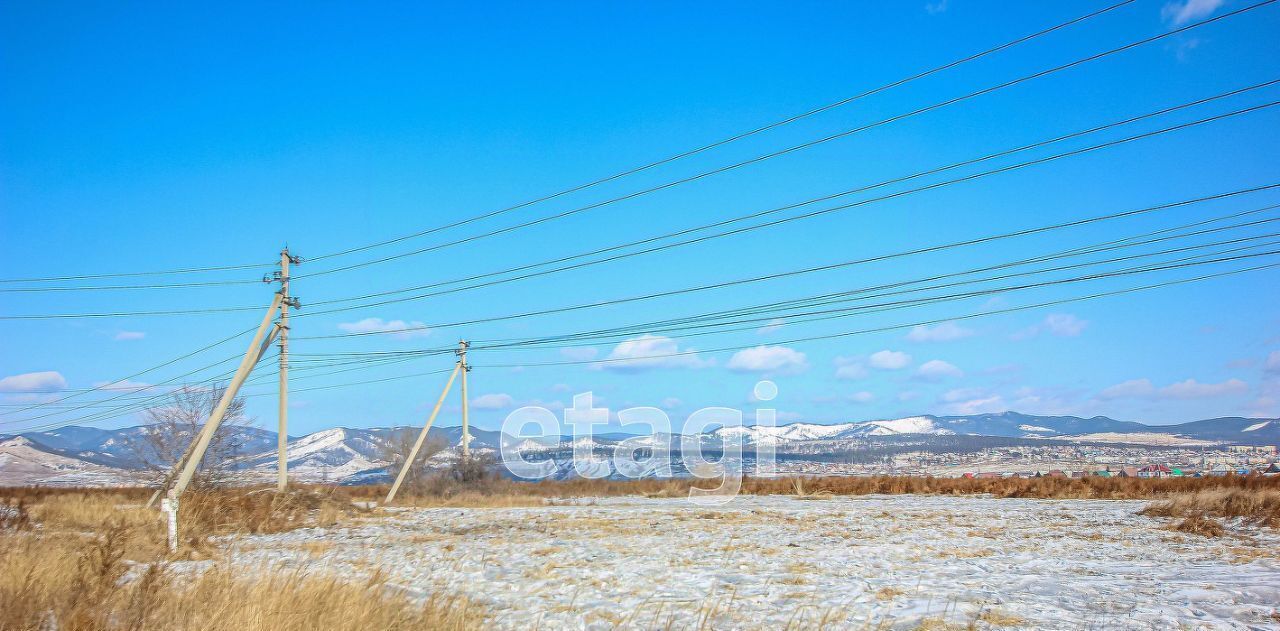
(766, 562)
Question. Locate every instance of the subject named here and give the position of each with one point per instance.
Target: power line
(729, 221)
(774, 308)
(141, 372)
(777, 310)
(898, 326)
(735, 137)
(829, 266)
(624, 173)
(794, 148)
(776, 313)
(183, 270)
(810, 214)
(861, 189)
(828, 336)
(1133, 241)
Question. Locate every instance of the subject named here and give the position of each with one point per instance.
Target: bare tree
(397, 447)
(171, 428)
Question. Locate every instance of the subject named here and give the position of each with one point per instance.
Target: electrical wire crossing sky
(887, 210)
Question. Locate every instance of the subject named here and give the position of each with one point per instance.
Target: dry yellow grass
(473, 500)
(997, 618)
(1259, 506)
(98, 561)
(60, 582)
(1091, 487)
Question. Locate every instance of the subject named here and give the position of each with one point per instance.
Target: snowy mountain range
(86, 455)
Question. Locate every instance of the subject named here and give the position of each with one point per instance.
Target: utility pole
(182, 461)
(422, 436)
(466, 432)
(202, 440)
(282, 435)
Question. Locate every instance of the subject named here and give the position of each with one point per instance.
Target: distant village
(1066, 461)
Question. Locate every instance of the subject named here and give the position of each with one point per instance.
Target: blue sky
(153, 137)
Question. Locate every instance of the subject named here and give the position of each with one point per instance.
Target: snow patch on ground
(1256, 426)
(864, 562)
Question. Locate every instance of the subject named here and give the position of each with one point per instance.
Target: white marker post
(169, 506)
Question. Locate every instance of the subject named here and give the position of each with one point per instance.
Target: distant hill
(86, 455)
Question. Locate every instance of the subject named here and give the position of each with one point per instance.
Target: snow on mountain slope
(1139, 438)
(23, 462)
(799, 432)
(781, 433)
(1256, 426)
(893, 427)
(331, 454)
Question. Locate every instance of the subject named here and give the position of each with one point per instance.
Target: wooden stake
(201, 444)
(422, 436)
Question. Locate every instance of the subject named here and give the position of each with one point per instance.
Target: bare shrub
(475, 474)
(396, 449)
(172, 428)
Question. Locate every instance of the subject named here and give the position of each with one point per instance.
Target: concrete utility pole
(422, 436)
(466, 431)
(177, 466)
(282, 435)
(251, 356)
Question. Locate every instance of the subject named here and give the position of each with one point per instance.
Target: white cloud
(649, 352)
(495, 401)
(396, 328)
(671, 403)
(862, 397)
(561, 387)
(960, 394)
(580, 353)
(1192, 389)
(934, 8)
(772, 326)
(1065, 324)
(980, 405)
(936, 370)
(1189, 389)
(850, 368)
(850, 372)
(553, 405)
(1273, 362)
(125, 336)
(889, 360)
(768, 359)
(1132, 388)
(945, 332)
(1179, 13)
(33, 382)
(1059, 324)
